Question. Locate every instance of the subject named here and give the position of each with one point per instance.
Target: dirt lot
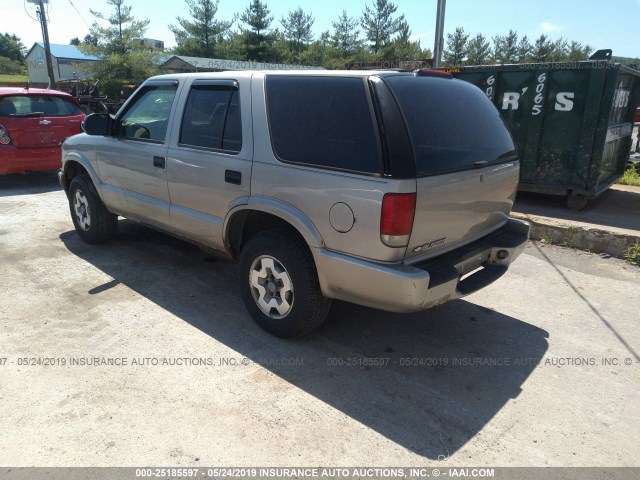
(541, 368)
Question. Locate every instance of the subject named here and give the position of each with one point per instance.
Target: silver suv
(390, 190)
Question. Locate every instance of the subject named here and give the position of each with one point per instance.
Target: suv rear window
(47, 105)
(324, 121)
(451, 123)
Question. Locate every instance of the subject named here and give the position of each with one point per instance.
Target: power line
(79, 14)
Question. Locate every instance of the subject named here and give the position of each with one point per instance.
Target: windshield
(451, 123)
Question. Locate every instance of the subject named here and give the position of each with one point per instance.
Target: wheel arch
(73, 165)
(259, 214)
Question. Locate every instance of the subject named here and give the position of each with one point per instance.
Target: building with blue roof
(67, 63)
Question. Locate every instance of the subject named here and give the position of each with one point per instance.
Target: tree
(577, 51)
(345, 36)
(560, 50)
(12, 47)
(297, 29)
(478, 50)
(378, 23)
(257, 17)
(90, 40)
(319, 51)
(200, 35)
(403, 32)
(505, 48)
(456, 49)
(258, 42)
(74, 41)
(402, 48)
(543, 49)
(123, 29)
(122, 58)
(524, 50)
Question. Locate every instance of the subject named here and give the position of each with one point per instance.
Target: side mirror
(98, 124)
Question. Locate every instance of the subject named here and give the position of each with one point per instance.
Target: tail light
(396, 220)
(5, 139)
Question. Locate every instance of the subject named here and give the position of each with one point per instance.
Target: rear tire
(279, 284)
(93, 222)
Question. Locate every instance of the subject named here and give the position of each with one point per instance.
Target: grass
(13, 78)
(568, 240)
(631, 177)
(632, 254)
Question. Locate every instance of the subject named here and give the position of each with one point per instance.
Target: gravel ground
(539, 369)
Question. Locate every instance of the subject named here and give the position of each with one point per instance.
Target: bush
(12, 67)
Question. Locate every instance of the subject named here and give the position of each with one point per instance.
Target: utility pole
(439, 40)
(45, 35)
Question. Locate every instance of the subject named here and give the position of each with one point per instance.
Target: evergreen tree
(200, 35)
(543, 49)
(505, 48)
(524, 50)
(297, 29)
(577, 51)
(379, 23)
(560, 50)
(478, 50)
(402, 48)
(258, 42)
(454, 53)
(90, 40)
(256, 16)
(345, 35)
(123, 29)
(122, 58)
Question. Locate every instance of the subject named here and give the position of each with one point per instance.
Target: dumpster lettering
(510, 99)
(539, 98)
(489, 91)
(564, 101)
(621, 99)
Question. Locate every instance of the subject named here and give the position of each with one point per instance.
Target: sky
(599, 23)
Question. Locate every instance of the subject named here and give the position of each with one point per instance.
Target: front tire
(279, 284)
(93, 222)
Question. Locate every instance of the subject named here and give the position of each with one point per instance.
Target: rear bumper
(18, 160)
(411, 288)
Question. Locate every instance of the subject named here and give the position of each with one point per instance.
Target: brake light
(396, 221)
(427, 72)
(5, 139)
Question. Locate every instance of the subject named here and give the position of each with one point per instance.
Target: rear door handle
(233, 176)
(158, 162)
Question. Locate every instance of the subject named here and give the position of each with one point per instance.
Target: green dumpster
(572, 122)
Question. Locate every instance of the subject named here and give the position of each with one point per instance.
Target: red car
(33, 123)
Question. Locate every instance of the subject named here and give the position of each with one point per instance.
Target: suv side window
(324, 121)
(212, 118)
(148, 117)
